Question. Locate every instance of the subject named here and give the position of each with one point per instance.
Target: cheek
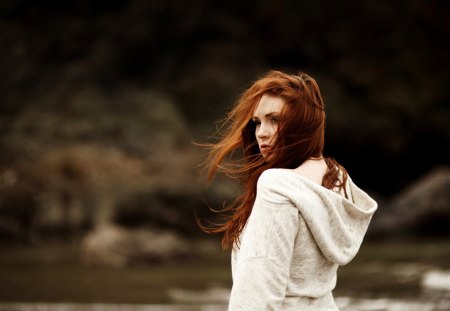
(256, 130)
(274, 133)
(274, 130)
(274, 138)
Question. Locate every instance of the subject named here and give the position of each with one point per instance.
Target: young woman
(300, 215)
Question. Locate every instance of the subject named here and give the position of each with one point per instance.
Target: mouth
(264, 148)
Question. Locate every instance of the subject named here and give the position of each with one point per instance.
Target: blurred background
(100, 182)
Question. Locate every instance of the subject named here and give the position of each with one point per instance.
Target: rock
(119, 246)
(436, 280)
(422, 208)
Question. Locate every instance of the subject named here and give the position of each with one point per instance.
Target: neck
(315, 158)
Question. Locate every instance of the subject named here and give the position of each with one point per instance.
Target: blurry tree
(133, 82)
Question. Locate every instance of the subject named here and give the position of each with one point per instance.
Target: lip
(264, 148)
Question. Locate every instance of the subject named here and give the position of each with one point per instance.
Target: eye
(275, 119)
(256, 122)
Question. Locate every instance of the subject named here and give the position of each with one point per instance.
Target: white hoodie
(295, 238)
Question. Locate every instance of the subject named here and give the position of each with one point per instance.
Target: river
(385, 276)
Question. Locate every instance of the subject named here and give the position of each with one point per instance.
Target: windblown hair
(300, 136)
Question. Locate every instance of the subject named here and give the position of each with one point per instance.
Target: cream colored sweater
(295, 238)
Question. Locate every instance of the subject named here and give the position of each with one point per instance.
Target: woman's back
(312, 169)
(296, 237)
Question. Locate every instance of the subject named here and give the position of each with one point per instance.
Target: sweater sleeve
(265, 252)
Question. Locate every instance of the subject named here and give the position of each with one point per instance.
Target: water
(385, 276)
(344, 303)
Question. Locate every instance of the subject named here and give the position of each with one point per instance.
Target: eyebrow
(270, 114)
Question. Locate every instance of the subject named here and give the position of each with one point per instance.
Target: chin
(266, 157)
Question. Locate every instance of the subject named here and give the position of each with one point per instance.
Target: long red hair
(300, 137)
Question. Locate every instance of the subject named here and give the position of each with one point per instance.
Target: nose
(263, 131)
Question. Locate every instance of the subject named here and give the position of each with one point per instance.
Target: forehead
(268, 105)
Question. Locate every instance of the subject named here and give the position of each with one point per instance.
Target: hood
(338, 224)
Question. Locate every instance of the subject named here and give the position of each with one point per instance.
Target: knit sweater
(295, 238)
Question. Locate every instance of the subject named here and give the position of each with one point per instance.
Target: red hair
(300, 136)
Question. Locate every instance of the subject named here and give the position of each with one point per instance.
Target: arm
(265, 253)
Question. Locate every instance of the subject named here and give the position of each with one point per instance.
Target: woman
(300, 215)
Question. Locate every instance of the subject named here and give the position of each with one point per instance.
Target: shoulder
(299, 189)
(275, 178)
(270, 176)
(312, 170)
(278, 185)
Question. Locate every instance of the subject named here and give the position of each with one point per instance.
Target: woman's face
(266, 117)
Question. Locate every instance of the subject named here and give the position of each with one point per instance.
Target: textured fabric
(295, 238)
